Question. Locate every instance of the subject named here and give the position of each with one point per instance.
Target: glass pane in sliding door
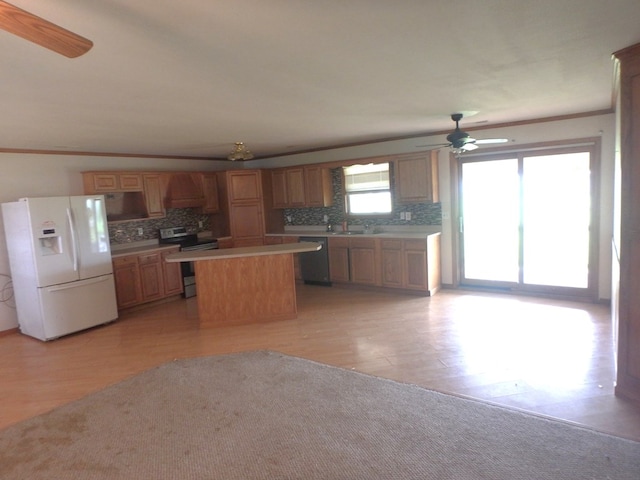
(556, 212)
(491, 219)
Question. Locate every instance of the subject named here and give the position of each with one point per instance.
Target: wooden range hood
(184, 190)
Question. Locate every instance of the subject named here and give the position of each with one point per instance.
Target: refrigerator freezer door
(91, 235)
(76, 306)
(50, 237)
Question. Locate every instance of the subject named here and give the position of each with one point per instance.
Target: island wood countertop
(226, 253)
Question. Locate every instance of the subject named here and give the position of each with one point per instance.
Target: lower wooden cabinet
(408, 264)
(127, 279)
(146, 277)
(353, 260)
(339, 259)
(404, 264)
(172, 274)
(363, 261)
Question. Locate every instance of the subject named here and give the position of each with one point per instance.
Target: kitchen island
(245, 285)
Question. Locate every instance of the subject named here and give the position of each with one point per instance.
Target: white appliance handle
(74, 245)
(70, 285)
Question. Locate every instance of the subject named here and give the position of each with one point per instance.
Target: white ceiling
(190, 77)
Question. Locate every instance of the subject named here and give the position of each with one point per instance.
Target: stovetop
(180, 236)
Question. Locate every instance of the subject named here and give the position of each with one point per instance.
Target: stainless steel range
(187, 242)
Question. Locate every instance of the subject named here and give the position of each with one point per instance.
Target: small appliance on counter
(187, 242)
(60, 261)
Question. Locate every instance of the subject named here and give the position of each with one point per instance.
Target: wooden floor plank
(550, 357)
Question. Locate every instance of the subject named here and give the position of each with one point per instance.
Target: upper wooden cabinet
(129, 195)
(154, 194)
(416, 178)
(244, 207)
(279, 188)
(104, 182)
(244, 186)
(210, 191)
(318, 187)
(297, 187)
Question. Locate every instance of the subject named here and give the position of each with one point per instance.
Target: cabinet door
(130, 181)
(279, 189)
(363, 265)
(392, 263)
(318, 187)
(247, 225)
(101, 182)
(151, 276)
(416, 179)
(295, 187)
(339, 259)
(153, 194)
(127, 280)
(415, 265)
(210, 191)
(244, 186)
(172, 274)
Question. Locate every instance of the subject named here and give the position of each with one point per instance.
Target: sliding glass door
(526, 221)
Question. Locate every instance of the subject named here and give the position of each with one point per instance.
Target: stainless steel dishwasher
(314, 266)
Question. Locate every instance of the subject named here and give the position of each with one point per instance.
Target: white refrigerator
(60, 262)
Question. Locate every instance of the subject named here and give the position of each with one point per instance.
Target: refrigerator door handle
(74, 243)
(81, 283)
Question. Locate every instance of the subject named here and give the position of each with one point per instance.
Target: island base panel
(246, 290)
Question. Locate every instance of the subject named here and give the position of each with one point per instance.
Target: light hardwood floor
(551, 357)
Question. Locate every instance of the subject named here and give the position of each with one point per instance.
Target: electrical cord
(6, 291)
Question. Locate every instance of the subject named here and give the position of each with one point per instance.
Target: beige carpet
(263, 415)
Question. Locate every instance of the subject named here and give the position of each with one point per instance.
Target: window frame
(389, 190)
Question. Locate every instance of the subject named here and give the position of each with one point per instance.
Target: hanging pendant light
(240, 152)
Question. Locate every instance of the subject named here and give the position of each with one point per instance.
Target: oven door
(189, 269)
(188, 279)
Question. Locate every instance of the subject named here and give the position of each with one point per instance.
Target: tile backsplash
(421, 214)
(127, 232)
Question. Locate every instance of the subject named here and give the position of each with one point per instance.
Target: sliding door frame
(591, 144)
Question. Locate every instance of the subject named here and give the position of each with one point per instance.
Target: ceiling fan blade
(44, 33)
(434, 145)
(467, 147)
(486, 141)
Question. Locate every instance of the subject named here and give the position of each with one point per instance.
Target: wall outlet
(407, 216)
(140, 231)
(200, 224)
(402, 215)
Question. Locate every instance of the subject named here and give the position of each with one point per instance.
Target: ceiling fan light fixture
(240, 152)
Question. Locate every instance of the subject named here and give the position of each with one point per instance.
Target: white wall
(23, 175)
(593, 126)
(31, 175)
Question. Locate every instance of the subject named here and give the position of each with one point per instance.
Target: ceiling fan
(460, 141)
(44, 33)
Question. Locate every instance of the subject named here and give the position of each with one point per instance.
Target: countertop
(142, 246)
(304, 232)
(137, 248)
(226, 253)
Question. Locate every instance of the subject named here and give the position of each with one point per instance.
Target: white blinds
(362, 178)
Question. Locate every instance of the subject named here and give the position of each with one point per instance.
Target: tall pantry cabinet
(247, 207)
(626, 237)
